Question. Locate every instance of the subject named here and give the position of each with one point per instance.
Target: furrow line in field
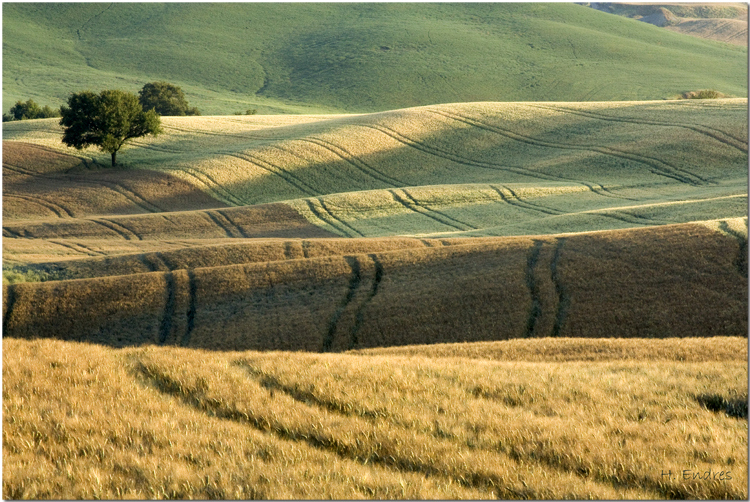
(288, 250)
(515, 200)
(7, 232)
(213, 187)
(604, 191)
(20, 170)
(535, 311)
(741, 261)
(435, 211)
(130, 195)
(354, 282)
(215, 134)
(167, 263)
(169, 305)
(305, 246)
(657, 166)
(119, 229)
(293, 180)
(87, 248)
(357, 451)
(76, 247)
(59, 210)
(563, 300)
(330, 213)
(232, 223)
(359, 316)
(150, 265)
(423, 211)
(10, 302)
(711, 132)
(213, 217)
(192, 308)
(354, 161)
(423, 147)
(332, 222)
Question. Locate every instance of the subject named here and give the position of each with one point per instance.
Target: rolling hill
(622, 219)
(323, 58)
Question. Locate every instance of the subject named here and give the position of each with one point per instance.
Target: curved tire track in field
(535, 311)
(322, 203)
(656, 166)
(360, 314)
(354, 161)
(741, 261)
(192, 308)
(711, 132)
(219, 222)
(231, 222)
(8, 305)
(212, 186)
(165, 327)
(354, 282)
(399, 461)
(563, 300)
(332, 222)
(414, 206)
(435, 211)
(77, 248)
(57, 209)
(515, 200)
(285, 175)
(436, 152)
(118, 228)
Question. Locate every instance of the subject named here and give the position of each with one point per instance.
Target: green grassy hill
(354, 57)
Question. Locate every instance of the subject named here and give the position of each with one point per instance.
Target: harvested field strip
(712, 132)
(656, 166)
(57, 209)
(354, 161)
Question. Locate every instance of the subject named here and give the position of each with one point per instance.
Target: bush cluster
(29, 110)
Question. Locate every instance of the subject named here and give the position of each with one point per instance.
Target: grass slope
(354, 57)
(84, 421)
(468, 169)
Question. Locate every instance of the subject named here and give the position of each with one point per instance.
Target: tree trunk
(114, 154)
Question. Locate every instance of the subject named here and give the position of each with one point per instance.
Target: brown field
(339, 294)
(86, 421)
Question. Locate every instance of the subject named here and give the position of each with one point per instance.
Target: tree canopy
(106, 120)
(165, 99)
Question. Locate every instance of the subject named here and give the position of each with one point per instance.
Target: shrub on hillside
(165, 99)
(703, 94)
(29, 110)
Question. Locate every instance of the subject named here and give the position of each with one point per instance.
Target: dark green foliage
(165, 99)
(106, 120)
(29, 110)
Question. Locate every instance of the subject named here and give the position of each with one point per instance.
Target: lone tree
(165, 99)
(106, 120)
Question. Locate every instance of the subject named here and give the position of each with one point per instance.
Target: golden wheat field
(476, 300)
